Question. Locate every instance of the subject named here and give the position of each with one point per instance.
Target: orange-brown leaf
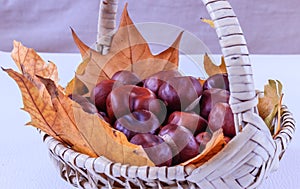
(129, 51)
(93, 65)
(211, 68)
(29, 62)
(83, 48)
(171, 54)
(41, 112)
(65, 120)
(76, 86)
(31, 65)
(166, 60)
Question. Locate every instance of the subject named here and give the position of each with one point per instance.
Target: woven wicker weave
(243, 163)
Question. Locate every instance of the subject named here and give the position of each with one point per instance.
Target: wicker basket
(243, 163)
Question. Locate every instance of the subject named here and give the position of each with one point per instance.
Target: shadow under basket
(243, 163)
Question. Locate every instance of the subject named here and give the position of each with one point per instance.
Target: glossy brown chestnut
(209, 98)
(191, 121)
(103, 116)
(219, 81)
(128, 98)
(181, 141)
(156, 80)
(158, 151)
(179, 92)
(101, 91)
(140, 121)
(227, 139)
(221, 116)
(203, 138)
(126, 77)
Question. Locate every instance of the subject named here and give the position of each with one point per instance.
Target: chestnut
(181, 141)
(203, 138)
(221, 116)
(219, 81)
(209, 98)
(179, 92)
(140, 121)
(156, 80)
(100, 92)
(126, 77)
(128, 98)
(158, 151)
(227, 139)
(191, 121)
(141, 83)
(103, 116)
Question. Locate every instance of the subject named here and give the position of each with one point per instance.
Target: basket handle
(106, 24)
(243, 98)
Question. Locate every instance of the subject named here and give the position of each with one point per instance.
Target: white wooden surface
(24, 162)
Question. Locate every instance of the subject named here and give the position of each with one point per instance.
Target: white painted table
(24, 161)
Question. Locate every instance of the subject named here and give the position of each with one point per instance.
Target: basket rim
(190, 173)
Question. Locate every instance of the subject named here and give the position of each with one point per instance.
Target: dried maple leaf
(82, 128)
(50, 118)
(75, 86)
(28, 61)
(214, 146)
(65, 123)
(211, 68)
(41, 112)
(129, 51)
(31, 64)
(269, 104)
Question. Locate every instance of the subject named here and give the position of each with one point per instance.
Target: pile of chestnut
(170, 115)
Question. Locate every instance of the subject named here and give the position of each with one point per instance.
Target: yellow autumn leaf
(208, 21)
(270, 102)
(75, 86)
(41, 112)
(28, 61)
(32, 65)
(54, 119)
